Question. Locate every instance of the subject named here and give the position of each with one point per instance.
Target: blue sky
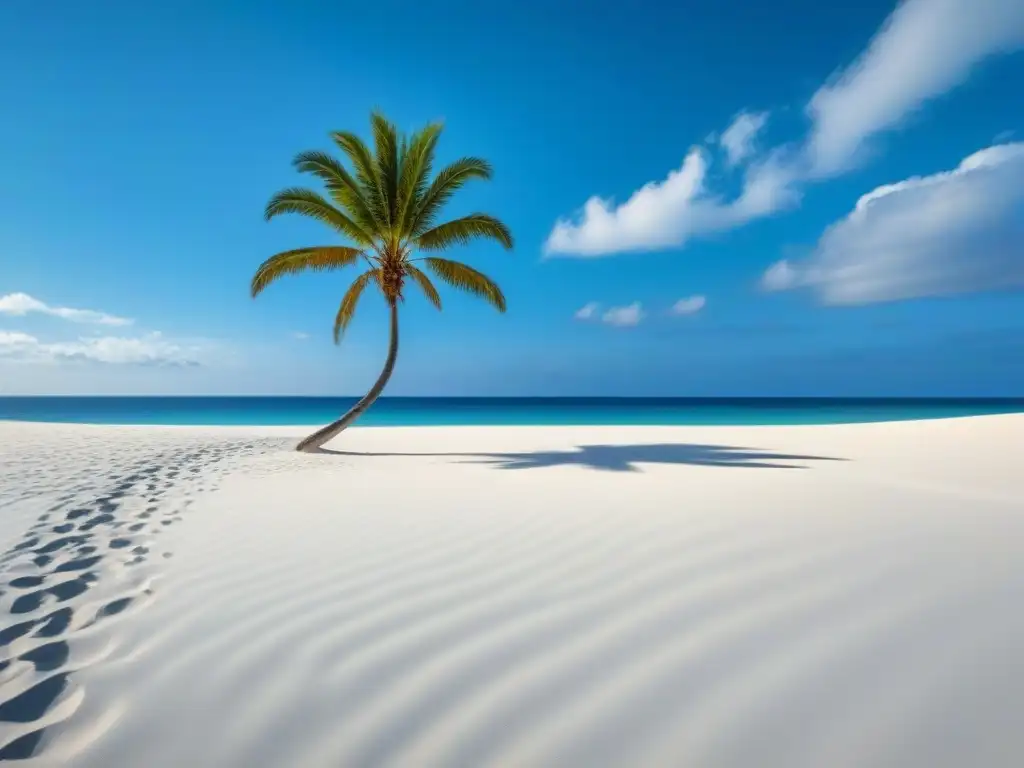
(709, 156)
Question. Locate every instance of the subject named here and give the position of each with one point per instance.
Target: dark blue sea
(444, 411)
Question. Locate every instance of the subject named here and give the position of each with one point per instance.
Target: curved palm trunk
(321, 436)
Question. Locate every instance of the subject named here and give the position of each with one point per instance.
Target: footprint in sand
(44, 576)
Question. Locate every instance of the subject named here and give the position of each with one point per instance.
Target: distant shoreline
(493, 411)
(561, 398)
(298, 430)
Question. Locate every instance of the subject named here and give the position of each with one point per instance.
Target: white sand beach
(842, 596)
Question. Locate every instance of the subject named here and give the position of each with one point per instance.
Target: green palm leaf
(425, 285)
(465, 278)
(386, 148)
(366, 172)
(345, 190)
(316, 259)
(350, 300)
(448, 181)
(312, 204)
(461, 231)
(416, 165)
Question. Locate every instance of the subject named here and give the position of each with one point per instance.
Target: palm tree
(387, 206)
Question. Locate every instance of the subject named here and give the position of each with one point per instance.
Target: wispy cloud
(633, 314)
(688, 306)
(924, 49)
(150, 349)
(300, 335)
(738, 139)
(10, 340)
(20, 304)
(145, 349)
(780, 276)
(625, 316)
(952, 232)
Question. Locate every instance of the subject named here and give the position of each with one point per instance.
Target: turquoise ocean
(445, 411)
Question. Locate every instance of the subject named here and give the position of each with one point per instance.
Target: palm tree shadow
(626, 458)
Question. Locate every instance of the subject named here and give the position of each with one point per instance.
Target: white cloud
(626, 316)
(15, 340)
(151, 349)
(587, 311)
(689, 306)
(667, 213)
(20, 304)
(952, 232)
(925, 48)
(300, 335)
(738, 139)
(780, 276)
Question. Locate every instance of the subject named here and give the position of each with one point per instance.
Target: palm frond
(463, 230)
(425, 285)
(465, 278)
(416, 165)
(386, 145)
(366, 172)
(350, 300)
(346, 190)
(317, 259)
(312, 204)
(448, 180)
